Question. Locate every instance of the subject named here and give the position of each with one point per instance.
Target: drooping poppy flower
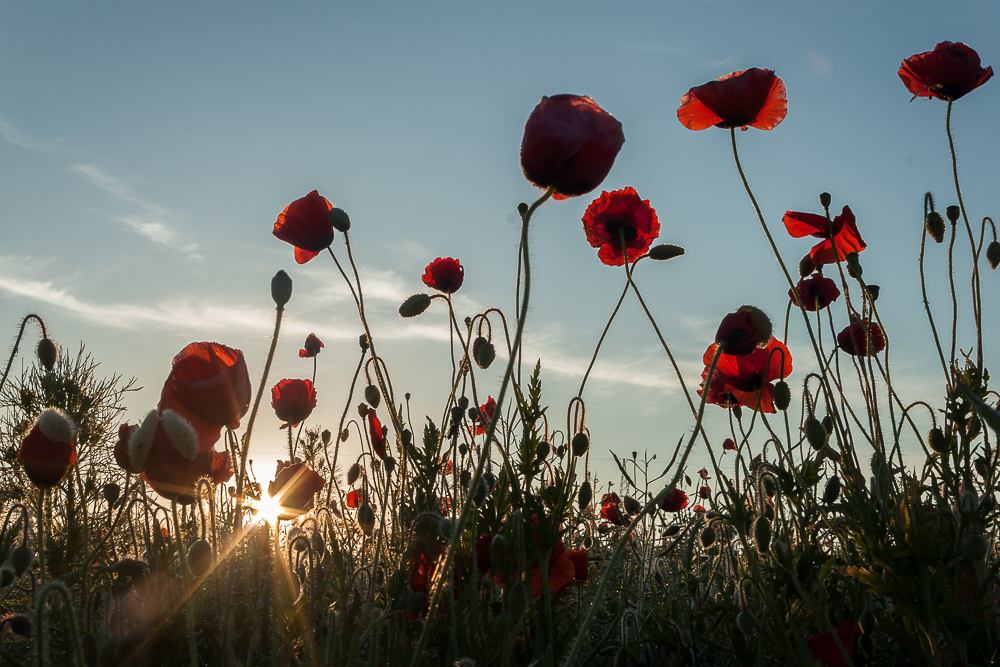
(610, 512)
(569, 143)
(566, 566)
(739, 380)
(122, 458)
(839, 239)
(484, 415)
(293, 401)
(952, 70)
(816, 292)
(616, 213)
(294, 486)
(165, 448)
(854, 339)
(740, 332)
(377, 434)
(704, 492)
(208, 386)
(823, 647)
(305, 223)
(745, 98)
(311, 347)
(729, 445)
(444, 274)
(355, 498)
(703, 473)
(674, 501)
(49, 449)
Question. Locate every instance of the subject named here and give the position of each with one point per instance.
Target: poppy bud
(366, 519)
(936, 440)
(373, 396)
(832, 490)
(406, 436)
(7, 577)
(21, 559)
(362, 410)
(711, 515)
(828, 424)
(281, 288)
(200, 558)
(542, 450)
(390, 465)
(782, 395)
(762, 535)
(953, 212)
(665, 251)
(353, 474)
(413, 603)
(854, 269)
(968, 503)
(631, 505)
(585, 496)
(672, 530)
(745, 622)
(739, 333)
(415, 305)
(483, 352)
(815, 433)
(48, 352)
(363, 342)
(465, 478)
(560, 451)
(345, 434)
(934, 226)
(974, 547)
(993, 254)
(111, 492)
(987, 506)
(981, 466)
(339, 219)
(463, 449)
(806, 266)
(873, 291)
(22, 625)
(825, 199)
(49, 448)
(522, 209)
(770, 488)
(325, 436)
(707, 537)
(737, 410)
(580, 444)
(445, 527)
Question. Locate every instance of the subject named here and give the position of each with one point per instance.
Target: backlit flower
(824, 649)
(739, 330)
(566, 566)
(816, 292)
(674, 501)
(165, 448)
(294, 486)
(444, 274)
(355, 498)
(618, 213)
(854, 339)
(484, 415)
(311, 347)
(704, 492)
(49, 449)
(121, 448)
(293, 401)
(741, 380)
(839, 239)
(729, 444)
(305, 223)
(610, 512)
(569, 143)
(208, 386)
(949, 72)
(746, 98)
(377, 434)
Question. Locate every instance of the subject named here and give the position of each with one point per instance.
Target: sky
(147, 148)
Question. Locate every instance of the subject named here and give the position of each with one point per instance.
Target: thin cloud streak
(19, 138)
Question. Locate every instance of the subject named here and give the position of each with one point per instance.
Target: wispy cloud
(820, 65)
(20, 138)
(716, 64)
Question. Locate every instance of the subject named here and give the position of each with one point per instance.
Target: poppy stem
(17, 342)
(600, 341)
(192, 645)
(40, 522)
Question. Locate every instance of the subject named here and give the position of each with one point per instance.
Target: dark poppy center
(614, 226)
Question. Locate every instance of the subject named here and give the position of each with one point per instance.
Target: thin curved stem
(17, 343)
(600, 341)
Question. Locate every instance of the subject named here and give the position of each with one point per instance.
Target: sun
(268, 508)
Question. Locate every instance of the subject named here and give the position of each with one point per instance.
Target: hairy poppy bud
(770, 488)
(854, 265)
(111, 492)
(815, 433)
(631, 505)
(339, 219)
(745, 622)
(345, 434)
(936, 440)
(445, 528)
(7, 577)
(968, 503)
(993, 254)
(522, 209)
(737, 411)
(981, 466)
(22, 625)
(415, 305)
(665, 251)
(542, 450)
(672, 530)
(325, 436)
(584, 497)
(828, 424)
(832, 490)
(373, 396)
(200, 558)
(281, 288)
(366, 519)
(363, 342)
(974, 547)
(48, 353)
(353, 474)
(465, 478)
(825, 199)
(762, 535)
(873, 291)
(934, 226)
(21, 559)
(782, 395)
(707, 537)
(806, 266)
(580, 444)
(953, 212)
(483, 352)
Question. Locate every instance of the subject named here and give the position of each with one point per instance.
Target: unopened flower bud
(806, 266)
(953, 212)
(672, 530)
(580, 444)
(832, 490)
(866, 621)
(415, 305)
(770, 488)
(854, 265)
(445, 527)
(339, 219)
(522, 209)
(815, 433)
(373, 396)
(111, 492)
(828, 424)
(993, 254)
(7, 577)
(707, 537)
(934, 226)
(584, 496)
(762, 535)
(366, 519)
(22, 625)
(483, 352)
(974, 547)
(782, 395)
(325, 436)
(281, 288)
(353, 473)
(825, 199)
(364, 342)
(745, 622)
(665, 251)
(631, 505)
(542, 450)
(21, 559)
(48, 353)
(200, 558)
(981, 466)
(737, 410)
(936, 440)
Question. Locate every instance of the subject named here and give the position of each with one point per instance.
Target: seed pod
(463, 450)
(584, 497)
(866, 621)
(832, 490)
(934, 225)
(873, 291)
(825, 199)
(936, 440)
(745, 622)
(390, 465)
(953, 212)
(782, 395)
(974, 548)
(708, 537)
(550, 493)
(542, 450)
(366, 519)
(21, 559)
(339, 219)
(200, 558)
(993, 254)
(672, 530)
(828, 424)
(22, 625)
(111, 492)
(665, 251)
(7, 577)
(483, 352)
(815, 433)
(415, 305)
(580, 444)
(281, 288)
(353, 474)
(373, 396)
(631, 505)
(762, 535)
(48, 353)
(806, 266)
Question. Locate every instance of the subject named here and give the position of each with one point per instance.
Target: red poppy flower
(485, 415)
(952, 70)
(209, 386)
(854, 339)
(729, 444)
(839, 239)
(482, 550)
(165, 447)
(739, 330)
(377, 434)
(294, 486)
(825, 649)
(674, 501)
(739, 380)
(565, 567)
(746, 98)
(616, 213)
(355, 498)
(444, 274)
(570, 143)
(311, 347)
(305, 223)
(610, 512)
(704, 492)
(122, 458)
(816, 292)
(697, 508)
(703, 473)
(49, 449)
(293, 401)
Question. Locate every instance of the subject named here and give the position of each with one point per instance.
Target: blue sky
(146, 149)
